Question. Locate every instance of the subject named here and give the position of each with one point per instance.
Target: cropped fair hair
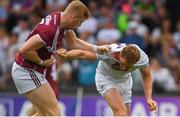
(131, 53)
(78, 8)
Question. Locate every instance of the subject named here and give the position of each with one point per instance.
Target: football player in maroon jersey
(39, 50)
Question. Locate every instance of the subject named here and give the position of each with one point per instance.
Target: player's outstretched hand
(152, 105)
(103, 48)
(61, 53)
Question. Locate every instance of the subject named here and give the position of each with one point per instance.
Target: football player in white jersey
(113, 74)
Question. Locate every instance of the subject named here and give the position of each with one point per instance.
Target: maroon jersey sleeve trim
(54, 43)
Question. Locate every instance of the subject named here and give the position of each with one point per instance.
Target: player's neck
(63, 21)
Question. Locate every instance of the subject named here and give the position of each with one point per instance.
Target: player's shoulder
(49, 23)
(144, 59)
(52, 19)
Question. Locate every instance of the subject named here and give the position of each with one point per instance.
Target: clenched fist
(103, 48)
(47, 62)
(152, 105)
(61, 53)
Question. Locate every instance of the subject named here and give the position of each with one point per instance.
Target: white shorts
(103, 84)
(26, 79)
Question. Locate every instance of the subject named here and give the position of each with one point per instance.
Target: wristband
(95, 48)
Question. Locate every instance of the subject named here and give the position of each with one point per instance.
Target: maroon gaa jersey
(52, 35)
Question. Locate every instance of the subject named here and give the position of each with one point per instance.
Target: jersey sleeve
(45, 33)
(143, 61)
(48, 27)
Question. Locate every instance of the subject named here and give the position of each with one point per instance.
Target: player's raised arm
(148, 82)
(76, 54)
(76, 43)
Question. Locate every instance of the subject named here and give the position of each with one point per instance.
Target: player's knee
(120, 110)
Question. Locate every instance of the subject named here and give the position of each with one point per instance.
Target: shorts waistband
(32, 66)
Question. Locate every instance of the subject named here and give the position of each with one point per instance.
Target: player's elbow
(22, 51)
(74, 44)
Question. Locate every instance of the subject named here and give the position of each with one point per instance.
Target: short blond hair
(77, 7)
(131, 53)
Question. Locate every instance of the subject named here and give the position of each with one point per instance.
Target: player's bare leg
(44, 99)
(31, 110)
(115, 101)
(128, 108)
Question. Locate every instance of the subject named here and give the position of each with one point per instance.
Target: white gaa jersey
(107, 61)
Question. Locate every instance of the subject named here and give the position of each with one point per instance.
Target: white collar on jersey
(116, 48)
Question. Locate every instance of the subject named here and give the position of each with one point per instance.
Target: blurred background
(154, 25)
